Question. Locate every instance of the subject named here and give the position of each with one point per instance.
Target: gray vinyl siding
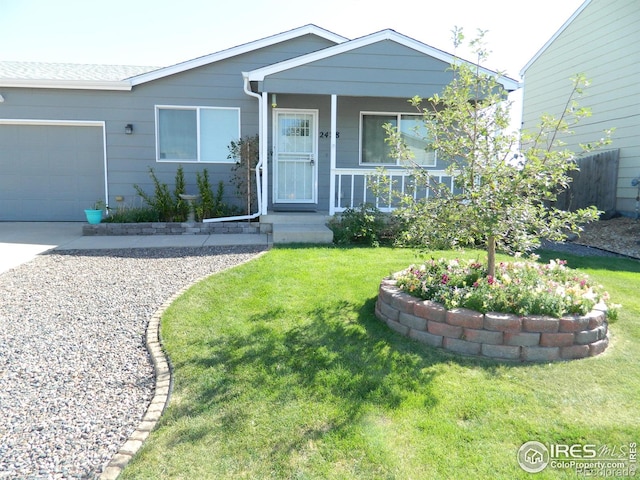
(383, 69)
(129, 157)
(600, 42)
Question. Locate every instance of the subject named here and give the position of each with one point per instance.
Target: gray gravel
(75, 377)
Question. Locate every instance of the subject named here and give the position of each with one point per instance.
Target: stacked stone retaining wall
(495, 335)
(170, 228)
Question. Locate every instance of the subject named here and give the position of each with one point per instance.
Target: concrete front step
(297, 227)
(300, 218)
(301, 233)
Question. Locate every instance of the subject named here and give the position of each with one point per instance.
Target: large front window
(196, 134)
(375, 151)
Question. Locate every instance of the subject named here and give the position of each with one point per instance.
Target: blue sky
(163, 32)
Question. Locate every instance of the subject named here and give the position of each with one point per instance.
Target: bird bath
(191, 218)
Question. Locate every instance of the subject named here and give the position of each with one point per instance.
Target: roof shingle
(69, 71)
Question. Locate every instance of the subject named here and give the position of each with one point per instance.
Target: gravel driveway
(75, 377)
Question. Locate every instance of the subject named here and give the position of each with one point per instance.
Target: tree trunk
(491, 256)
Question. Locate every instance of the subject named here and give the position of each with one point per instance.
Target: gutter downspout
(251, 216)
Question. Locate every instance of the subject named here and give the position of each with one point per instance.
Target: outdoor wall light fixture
(1, 99)
(128, 129)
(274, 100)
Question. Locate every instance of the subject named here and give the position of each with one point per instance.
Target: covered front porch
(320, 154)
(321, 117)
(319, 157)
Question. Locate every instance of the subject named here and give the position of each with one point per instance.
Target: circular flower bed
(527, 312)
(520, 287)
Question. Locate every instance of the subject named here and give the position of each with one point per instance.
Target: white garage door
(50, 172)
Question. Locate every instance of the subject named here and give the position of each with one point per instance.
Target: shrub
(170, 208)
(365, 225)
(182, 206)
(519, 287)
(211, 203)
(132, 215)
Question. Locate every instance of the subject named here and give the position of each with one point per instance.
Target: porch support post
(264, 150)
(332, 170)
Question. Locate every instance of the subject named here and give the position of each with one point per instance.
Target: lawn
(282, 371)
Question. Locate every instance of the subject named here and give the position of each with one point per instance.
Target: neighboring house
(601, 40)
(71, 135)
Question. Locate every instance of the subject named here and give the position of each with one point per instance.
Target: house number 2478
(328, 134)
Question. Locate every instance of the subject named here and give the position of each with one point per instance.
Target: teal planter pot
(93, 216)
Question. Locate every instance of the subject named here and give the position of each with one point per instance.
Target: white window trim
(197, 109)
(397, 163)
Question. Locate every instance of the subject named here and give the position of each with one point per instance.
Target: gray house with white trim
(71, 135)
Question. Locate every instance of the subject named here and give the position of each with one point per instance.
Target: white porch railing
(353, 187)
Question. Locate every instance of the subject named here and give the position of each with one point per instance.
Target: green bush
(211, 203)
(167, 206)
(182, 206)
(132, 215)
(170, 207)
(365, 225)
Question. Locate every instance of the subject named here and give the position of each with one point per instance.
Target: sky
(163, 32)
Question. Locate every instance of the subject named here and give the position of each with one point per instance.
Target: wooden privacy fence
(594, 184)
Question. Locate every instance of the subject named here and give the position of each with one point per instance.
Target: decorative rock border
(169, 228)
(160, 399)
(164, 386)
(494, 335)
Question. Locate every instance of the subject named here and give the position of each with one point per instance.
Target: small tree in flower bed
(505, 184)
(519, 287)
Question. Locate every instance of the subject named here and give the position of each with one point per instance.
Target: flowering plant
(519, 287)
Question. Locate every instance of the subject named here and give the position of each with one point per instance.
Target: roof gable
(554, 36)
(239, 50)
(119, 77)
(125, 78)
(384, 35)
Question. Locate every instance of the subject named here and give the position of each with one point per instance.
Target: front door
(295, 156)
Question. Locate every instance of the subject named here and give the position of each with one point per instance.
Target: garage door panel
(82, 168)
(37, 184)
(9, 186)
(54, 211)
(59, 186)
(87, 190)
(50, 172)
(10, 206)
(12, 156)
(62, 160)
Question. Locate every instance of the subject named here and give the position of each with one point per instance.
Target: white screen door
(295, 154)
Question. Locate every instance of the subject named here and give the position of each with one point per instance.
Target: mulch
(620, 235)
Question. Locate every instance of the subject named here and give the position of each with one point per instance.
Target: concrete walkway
(20, 242)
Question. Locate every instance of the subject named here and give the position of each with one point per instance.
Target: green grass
(283, 371)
